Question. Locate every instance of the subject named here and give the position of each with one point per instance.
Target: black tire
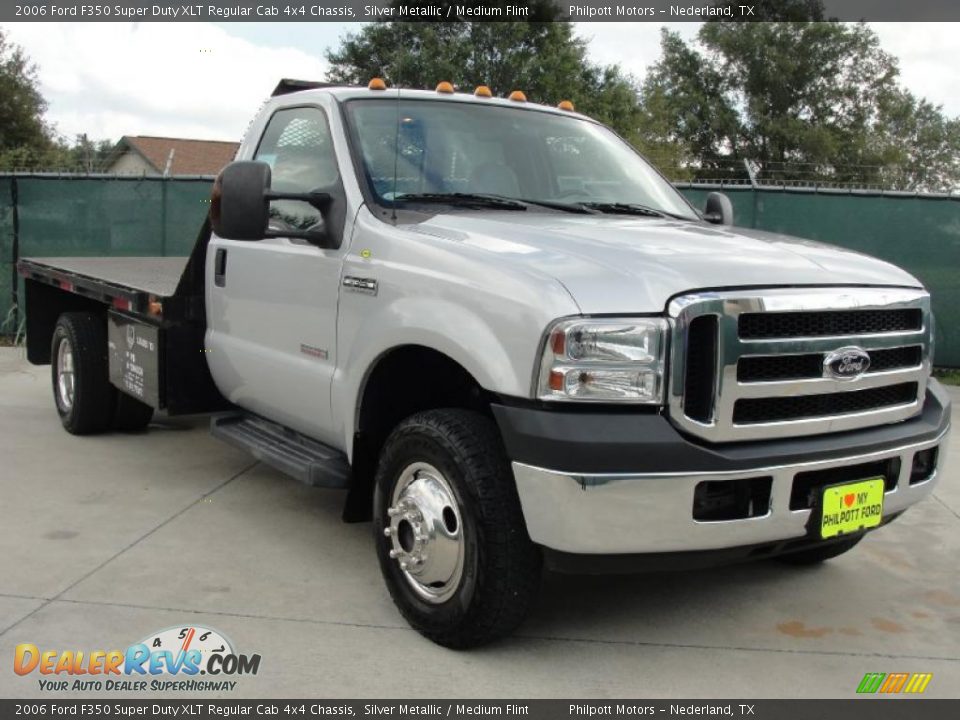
(131, 415)
(501, 566)
(819, 554)
(91, 403)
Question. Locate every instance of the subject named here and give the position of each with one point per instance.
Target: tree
(802, 100)
(27, 141)
(21, 104)
(540, 56)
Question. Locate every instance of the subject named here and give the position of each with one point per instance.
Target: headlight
(604, 360)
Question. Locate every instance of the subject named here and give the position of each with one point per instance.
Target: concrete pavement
(105, 540)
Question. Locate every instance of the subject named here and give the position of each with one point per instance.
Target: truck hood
(616, 264)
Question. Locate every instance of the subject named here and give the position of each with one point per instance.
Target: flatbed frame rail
(131, 284)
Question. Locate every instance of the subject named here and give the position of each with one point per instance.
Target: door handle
(220, 268)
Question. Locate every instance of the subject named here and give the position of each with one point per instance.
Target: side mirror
(240, 204)
(719, 210)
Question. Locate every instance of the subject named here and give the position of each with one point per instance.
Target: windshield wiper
(502, 202)
(497, 201)
(625, 209)
(634, 209)
(464, 199)
(578, 208)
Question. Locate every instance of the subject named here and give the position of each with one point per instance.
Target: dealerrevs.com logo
(169, 660)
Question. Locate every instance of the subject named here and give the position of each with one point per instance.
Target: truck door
(272, 304)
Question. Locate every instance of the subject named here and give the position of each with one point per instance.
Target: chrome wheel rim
(66, 378)
(425, 532)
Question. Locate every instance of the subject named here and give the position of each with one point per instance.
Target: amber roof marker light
(518, 96)
(483, 91)
(376, 84)
(445, 87)
(566, 106)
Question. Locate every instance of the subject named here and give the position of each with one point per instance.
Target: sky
(206, 80)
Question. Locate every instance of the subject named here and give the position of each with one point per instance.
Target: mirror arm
(320, 200)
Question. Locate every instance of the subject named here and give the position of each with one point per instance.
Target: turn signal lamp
(377, 84)
(445, 88)
(483, 91)
(566, 105)
(518, 96)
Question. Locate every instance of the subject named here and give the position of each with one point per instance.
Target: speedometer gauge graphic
(183, 638)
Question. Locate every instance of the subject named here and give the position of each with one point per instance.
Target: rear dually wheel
(82, 391)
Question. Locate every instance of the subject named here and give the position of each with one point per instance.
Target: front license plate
(851, 507)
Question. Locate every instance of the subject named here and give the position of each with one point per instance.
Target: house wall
(130, 163)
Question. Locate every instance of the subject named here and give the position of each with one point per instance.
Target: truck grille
(762, 368)
(771, 363)
(830, 322)
(775, 409)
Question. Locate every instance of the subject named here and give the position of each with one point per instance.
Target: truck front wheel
(81, 383)
(450, 535)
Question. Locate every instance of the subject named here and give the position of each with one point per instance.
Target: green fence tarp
(89, 216)
(86, 216)
(918, 233)
(7, 320)
(6, 220)
(120, 217)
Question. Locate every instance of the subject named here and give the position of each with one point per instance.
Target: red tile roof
(190, 157)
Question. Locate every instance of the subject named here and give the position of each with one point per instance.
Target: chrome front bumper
(622, 513)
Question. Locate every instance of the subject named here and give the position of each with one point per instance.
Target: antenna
(396, 138)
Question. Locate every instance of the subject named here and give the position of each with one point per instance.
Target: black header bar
(469, 10)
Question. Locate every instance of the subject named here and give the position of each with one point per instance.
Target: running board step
(288, 451)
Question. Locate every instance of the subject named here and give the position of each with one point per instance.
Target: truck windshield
(465, 148)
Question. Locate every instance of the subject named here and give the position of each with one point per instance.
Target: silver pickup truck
(513, 343)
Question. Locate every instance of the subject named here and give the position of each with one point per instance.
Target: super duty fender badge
(846, 363)
(312, 351)
(367, 286)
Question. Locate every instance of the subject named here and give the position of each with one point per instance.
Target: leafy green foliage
(541, 56)
(21, 105)
(809, 101)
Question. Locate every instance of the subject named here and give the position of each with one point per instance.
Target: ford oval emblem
(847, 363)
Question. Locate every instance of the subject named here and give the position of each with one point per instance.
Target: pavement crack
(949, 509)
(737, 648)
(245, 616)
(15, 596)
(124, 549)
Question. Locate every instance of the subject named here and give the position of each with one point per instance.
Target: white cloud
(204, 80)
(927, 54)
(182, 80)
(632, 46)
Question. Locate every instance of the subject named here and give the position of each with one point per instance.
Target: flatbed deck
(157, 276)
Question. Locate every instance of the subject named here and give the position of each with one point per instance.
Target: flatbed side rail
(116, 296)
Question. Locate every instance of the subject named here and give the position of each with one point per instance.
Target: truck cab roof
(295, 91)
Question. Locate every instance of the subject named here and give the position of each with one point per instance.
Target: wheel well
(45, 304)
(404, 381)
